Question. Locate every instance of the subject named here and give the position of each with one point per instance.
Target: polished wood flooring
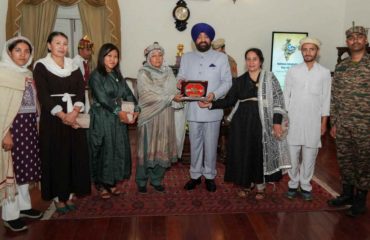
(281, 225)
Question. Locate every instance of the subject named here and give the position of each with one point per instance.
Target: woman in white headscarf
(20, 150)
(156, 126)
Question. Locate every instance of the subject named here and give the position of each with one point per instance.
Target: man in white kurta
(204, 124)
(307, 97)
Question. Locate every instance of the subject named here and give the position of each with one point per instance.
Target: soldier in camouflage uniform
(350, 117)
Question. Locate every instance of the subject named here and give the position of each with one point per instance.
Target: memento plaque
(194, 90)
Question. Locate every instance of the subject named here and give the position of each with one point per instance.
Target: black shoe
(291, 193)
(158, 188)
(359, 204)
(142, 189)
(16, 225)
(345, 198)
(30, 213)
(306, 195)
(210, 185)
(192, 183)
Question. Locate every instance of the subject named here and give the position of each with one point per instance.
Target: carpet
(177, 201)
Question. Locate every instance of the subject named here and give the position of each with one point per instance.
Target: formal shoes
(211, 185)
(192, 183)
(158, 188)
(30, 213)
(142, 189)
(16, 225)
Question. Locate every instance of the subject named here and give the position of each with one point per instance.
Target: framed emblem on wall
(285, 53)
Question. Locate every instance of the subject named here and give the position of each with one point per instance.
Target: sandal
(115, 191)
(104, 194)
(260, 195)
(244, 192)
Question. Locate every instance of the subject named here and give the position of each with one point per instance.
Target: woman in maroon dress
(63, 147)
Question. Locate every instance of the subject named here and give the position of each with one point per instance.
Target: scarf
(54, 68)
(270, 101)
(156, 87)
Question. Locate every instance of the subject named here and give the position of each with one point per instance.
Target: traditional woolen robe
(156, 125)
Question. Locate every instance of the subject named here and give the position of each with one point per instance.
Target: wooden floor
(282, 225)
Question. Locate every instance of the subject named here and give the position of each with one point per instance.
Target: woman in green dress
(156, 125)
(108, 138)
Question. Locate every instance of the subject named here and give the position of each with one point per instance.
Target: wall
(3, 9)
(247, 23)
(358, 11)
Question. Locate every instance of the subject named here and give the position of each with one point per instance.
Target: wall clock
(181, 14)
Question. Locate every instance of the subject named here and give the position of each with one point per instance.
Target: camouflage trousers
(353, 155)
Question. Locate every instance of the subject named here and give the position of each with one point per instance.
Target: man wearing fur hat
(350, 119)
(204, 125)
(307, 98)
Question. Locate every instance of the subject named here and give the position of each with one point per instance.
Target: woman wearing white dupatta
(156, 125)
(19, 133)
(257, 148)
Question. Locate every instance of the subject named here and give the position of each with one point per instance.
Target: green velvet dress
(108, 138)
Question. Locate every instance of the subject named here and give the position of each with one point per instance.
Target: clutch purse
(83, 120)
(128, 107)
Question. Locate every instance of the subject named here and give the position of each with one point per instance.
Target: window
(68, 21)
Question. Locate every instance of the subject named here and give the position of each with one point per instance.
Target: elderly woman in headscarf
(18, 122)
(156, 126)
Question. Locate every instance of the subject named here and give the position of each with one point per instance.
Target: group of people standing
(270, 129)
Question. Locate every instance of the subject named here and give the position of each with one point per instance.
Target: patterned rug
(177, 201)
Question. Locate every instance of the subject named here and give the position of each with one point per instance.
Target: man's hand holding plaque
(194, 90)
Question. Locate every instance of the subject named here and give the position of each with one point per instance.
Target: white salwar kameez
(307, 97)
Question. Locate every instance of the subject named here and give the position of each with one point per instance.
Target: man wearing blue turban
(204, 125)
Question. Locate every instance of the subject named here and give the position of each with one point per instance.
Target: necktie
(87, 71)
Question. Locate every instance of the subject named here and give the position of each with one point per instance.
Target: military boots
(345, 198)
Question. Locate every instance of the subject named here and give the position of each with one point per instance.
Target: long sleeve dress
(245, 155)
(109, 144)
(63, 149)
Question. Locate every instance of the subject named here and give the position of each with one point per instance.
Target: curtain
(94, 25)
(107, 19)
(42, 18)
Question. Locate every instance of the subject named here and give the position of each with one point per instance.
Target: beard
(310, 58)
(203, 46)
